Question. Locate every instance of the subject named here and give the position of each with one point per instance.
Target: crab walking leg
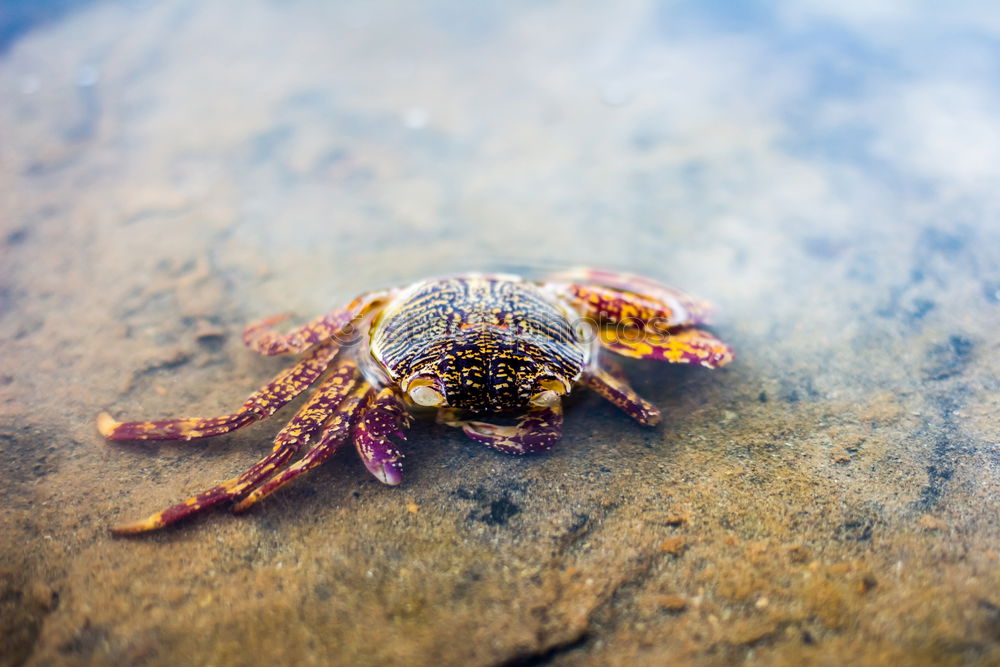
(287, 443)
(262, 404)
(605, 304)
(337, 430)
(684, 346)
(537, 431)
(260, 338)
(612, 385)
(620, 295)
(385, 415)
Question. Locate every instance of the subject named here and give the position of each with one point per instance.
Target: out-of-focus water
(824, 172)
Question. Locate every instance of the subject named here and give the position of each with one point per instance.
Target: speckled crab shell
(481, 343)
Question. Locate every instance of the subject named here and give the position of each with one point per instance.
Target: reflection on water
(18, 17)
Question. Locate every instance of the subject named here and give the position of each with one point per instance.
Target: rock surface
(827, 176)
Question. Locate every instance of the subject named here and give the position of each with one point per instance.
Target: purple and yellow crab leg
(309, 419)
(537, 431)
(260, 338)
(283, 388)
(337, 430)
(610, 383)
(383, 416)
(683, 346)
(623, 297)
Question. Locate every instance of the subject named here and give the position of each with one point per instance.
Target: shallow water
(824, 172)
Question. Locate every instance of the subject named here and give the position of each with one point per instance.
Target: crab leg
(287, 443)
(610, 383)
(685, 346)
(384, 415)
(337, 430)
(622, 297)
(266, 401)
(536, 431)
(337, 323)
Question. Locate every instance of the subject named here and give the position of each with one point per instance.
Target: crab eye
(548, 389)
(545, 399)
(425, 389)
(427, 396)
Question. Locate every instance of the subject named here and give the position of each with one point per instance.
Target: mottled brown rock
(172, 171)
(673, 545)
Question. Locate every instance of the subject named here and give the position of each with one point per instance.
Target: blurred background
(825, 172)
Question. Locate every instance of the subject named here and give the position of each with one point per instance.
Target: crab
(467, 345)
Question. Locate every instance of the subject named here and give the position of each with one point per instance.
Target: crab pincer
(384, 418)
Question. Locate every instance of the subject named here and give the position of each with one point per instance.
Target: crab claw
(389, 473)
(383, 419)
(388, 470)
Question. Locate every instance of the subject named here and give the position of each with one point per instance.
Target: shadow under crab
(467, 345)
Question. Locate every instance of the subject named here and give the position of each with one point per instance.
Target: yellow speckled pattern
(383, 416)
(490, 339)
(685, 346)
(309, 419)
(337, 429)
(262, 404)
(336, 325)
(625, 297)
(612, 385)
(609, 304)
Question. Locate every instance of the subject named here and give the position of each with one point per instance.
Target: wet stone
(169, 173)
